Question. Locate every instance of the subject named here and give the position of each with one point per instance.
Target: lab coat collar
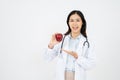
(78, 37)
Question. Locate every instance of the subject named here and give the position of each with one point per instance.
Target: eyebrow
(76, 18)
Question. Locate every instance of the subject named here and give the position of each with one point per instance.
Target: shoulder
(82, 37)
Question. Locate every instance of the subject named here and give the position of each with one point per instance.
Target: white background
(27, 25)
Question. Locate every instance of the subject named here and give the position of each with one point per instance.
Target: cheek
(70, 24)
(80, 24)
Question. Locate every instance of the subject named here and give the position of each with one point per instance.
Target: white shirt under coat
(73, 44)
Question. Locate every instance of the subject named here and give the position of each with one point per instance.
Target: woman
(75, 54)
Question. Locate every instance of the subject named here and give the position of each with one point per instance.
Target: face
(75, 23)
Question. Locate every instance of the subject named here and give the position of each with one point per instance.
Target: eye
(71, 20)
(78, 20)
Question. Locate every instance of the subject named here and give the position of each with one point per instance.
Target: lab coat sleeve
(50, 54)
(87, 62)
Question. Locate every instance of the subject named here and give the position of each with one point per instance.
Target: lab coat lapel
(66, 47)
(80, 46)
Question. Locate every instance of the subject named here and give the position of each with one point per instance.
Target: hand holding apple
(56, 38)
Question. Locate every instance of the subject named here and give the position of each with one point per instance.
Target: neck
(74, 35)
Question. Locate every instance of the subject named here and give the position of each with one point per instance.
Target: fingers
(53, 36)
(71, 53)
(53, 40)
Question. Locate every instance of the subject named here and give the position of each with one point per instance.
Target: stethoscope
(85, 42)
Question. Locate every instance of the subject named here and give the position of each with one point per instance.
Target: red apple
(58, 37)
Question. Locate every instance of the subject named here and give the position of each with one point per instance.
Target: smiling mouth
(74, 28)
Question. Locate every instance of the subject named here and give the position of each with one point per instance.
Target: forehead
(75, 16)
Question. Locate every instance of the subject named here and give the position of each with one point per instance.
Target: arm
(74, 54)
(49, 54)
(52, 50)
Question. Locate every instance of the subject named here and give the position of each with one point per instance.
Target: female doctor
(74, 53)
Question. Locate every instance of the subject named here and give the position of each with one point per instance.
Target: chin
(75, 32)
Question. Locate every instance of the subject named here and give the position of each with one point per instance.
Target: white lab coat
(85, 61)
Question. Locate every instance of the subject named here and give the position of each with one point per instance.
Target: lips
(74, 28)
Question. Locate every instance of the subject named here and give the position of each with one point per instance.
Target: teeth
(75, 27)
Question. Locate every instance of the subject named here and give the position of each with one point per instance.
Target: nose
(75, 23)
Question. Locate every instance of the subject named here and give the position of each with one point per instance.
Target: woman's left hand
(71, 53)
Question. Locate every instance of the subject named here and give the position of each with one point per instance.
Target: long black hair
(83, 28)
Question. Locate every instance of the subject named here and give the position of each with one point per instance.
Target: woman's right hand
(53, 42)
